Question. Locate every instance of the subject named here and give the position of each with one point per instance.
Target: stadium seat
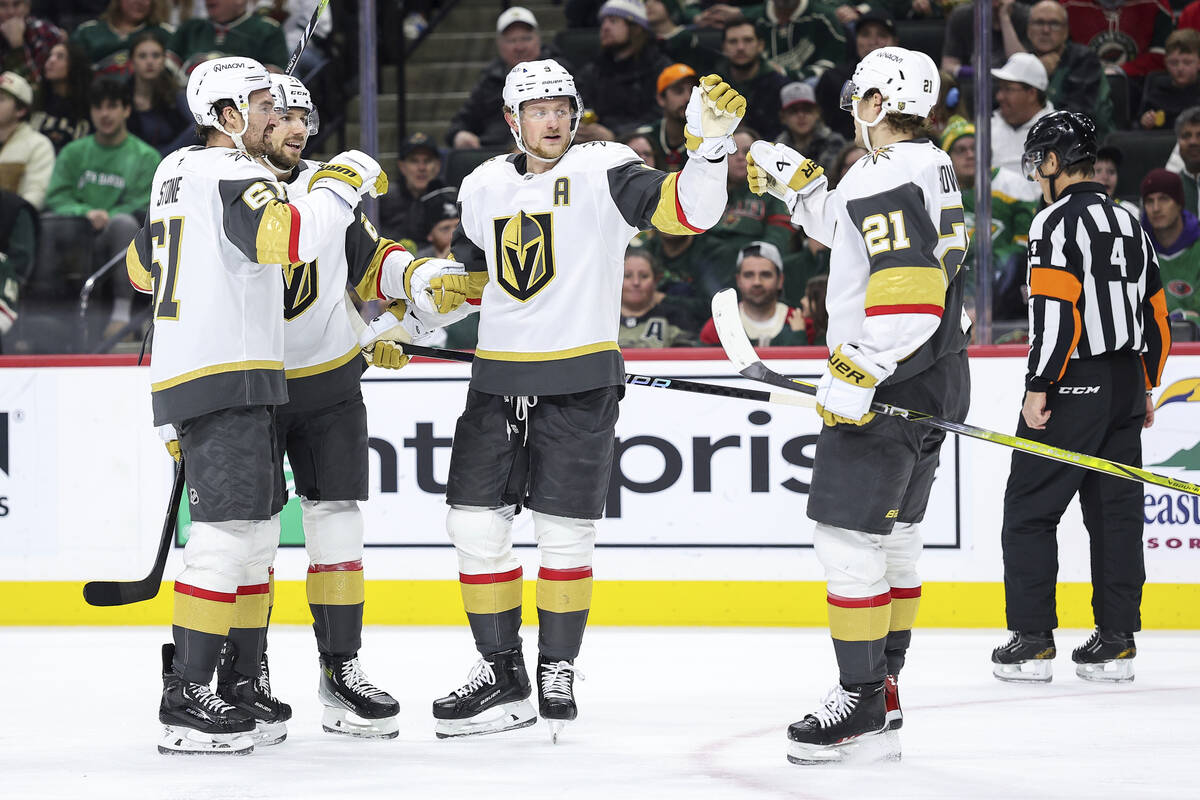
(925, 35)
(577, 45)
(1142, 151)
(460, 163)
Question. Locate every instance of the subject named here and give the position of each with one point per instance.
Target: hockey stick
(305, 36)
(739, 350)
(783, 398)
(121, 593)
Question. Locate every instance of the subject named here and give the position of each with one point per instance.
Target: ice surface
(665, 713)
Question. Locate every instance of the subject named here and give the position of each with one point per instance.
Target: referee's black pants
(1097, 408)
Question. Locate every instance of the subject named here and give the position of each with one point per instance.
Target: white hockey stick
(737, 346)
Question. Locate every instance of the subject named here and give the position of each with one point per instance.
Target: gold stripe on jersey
(275, 236)
(368, 286)
(668, 214)
(550, 355)
(906, 286)
(328, 366)
(139, 276)
(215, 369)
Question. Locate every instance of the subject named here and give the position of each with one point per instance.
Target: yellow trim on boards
(1165, 606)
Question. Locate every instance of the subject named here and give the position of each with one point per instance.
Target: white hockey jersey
(897, 236)
(321, 355)
(552, 246)
(218, 229)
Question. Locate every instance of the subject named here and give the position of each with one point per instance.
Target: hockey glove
(712, 115)
(170, 438)
(781, 172)
(350, 174)
(436, 285)
(847, 387)
(387, 355)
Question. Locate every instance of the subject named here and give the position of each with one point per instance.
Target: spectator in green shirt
(1175, 233)
(230, 29)
(107, 39)
(106, 179)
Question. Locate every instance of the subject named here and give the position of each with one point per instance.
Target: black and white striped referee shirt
(1094, 288)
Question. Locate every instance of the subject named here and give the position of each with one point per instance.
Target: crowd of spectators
(1132, 65)
(91, 99)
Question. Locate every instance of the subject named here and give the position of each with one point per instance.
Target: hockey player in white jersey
(323, 431)
(897, 334)
(219, 228)
(543, 237)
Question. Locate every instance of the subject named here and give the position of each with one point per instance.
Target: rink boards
(705, 521)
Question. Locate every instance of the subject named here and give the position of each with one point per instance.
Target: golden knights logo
(299, 289)
(524, 253)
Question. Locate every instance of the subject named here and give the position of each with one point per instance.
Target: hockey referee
(1098, 339)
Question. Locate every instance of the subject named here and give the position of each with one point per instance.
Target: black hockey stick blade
(737, 346)
(122, 593)
(650, 381)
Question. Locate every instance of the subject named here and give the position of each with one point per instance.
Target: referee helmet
(1068, 134)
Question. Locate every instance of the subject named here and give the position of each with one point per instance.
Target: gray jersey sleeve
(636, 190)
(257, 219)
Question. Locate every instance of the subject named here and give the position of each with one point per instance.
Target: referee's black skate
(850, 725)
(556, 693)
(197, 720)
(253, 695)
(1106, 656)
(353, 705)
(1027, 657)
(495, 698)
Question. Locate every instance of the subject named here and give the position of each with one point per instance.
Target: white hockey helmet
(233, 79)
(290, 92)
(539, 80)
(907, 79)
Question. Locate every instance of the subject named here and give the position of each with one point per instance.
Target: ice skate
(556, 694)
(891, 702)
(253, 695)
(1106, 656)
(197, 720)
(353, 705)
(1027, 657)
(495, 698)
(850, 726)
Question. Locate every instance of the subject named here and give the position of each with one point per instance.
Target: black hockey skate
(253, 695)
(1027, 657)
(353, 705)
(1107, 656)
(495, 698)
(851, 725)
(556, 693)
(197, 720)
(891, 702)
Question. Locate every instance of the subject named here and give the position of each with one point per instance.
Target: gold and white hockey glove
(781, 172)
(387, 355)
(170, 438)
(350, 174)
(436, 285)
(847, 387)
(712, 115)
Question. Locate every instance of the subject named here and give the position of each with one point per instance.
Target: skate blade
(1040, 670)
(266, 734)
(342, 722)
(895, 720)
(1116, 671)
(556, 729)
(504, 717)
(881, 746)
(180, 740)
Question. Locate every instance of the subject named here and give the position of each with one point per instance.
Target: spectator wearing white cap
(767, 320)
(803, 128)
(619, 85)
(1021, 99)
(477, 124)
(26, 156)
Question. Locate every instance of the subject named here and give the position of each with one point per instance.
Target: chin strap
(1053, 179)
(865, 126)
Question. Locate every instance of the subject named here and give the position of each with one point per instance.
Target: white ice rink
(665, 713)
